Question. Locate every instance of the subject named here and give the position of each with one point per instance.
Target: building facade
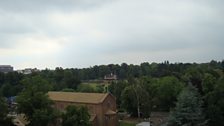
(101, 107)
(6, 68)
(110, 77)
(28, 71)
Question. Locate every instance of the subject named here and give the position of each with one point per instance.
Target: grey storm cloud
(87, 32)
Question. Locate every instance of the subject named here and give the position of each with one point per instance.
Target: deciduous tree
(34, 102)
(76, 116)
(4, 120)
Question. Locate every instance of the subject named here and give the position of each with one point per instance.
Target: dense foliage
(70, 78)
(140, 89)
(34, 102)
(188, 110)
(214, 106)
(4, 120)
(76, 116)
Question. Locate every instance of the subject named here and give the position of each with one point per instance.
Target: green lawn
(94, 85)
(90, 84)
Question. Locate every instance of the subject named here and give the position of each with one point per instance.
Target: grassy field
(94, 85)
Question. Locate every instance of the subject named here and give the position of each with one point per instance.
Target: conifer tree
(188, 110)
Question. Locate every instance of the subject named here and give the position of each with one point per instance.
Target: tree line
(194, 97)
(140, 89)
(70, 78)
(37, 108)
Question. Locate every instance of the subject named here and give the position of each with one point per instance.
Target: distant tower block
(6, 68)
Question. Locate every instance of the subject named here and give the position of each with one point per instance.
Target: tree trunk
(138, 108)
(138, 104)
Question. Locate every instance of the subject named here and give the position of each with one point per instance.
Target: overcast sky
(83, 33)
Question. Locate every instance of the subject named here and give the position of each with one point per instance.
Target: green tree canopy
(208, 83)
(168, 89)
(215, 104)
(135, 99)
(116, 89)
(34, 102)
(188, 110)
(76, 116)
(4, 120)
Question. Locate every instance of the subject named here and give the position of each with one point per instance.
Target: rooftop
(5, 66)
(91, 98)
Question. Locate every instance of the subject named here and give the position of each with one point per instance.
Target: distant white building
(28, 71)
(110, 77)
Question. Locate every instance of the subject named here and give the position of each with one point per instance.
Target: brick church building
(101, 107)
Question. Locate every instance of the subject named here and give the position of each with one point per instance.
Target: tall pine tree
(188, 110)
